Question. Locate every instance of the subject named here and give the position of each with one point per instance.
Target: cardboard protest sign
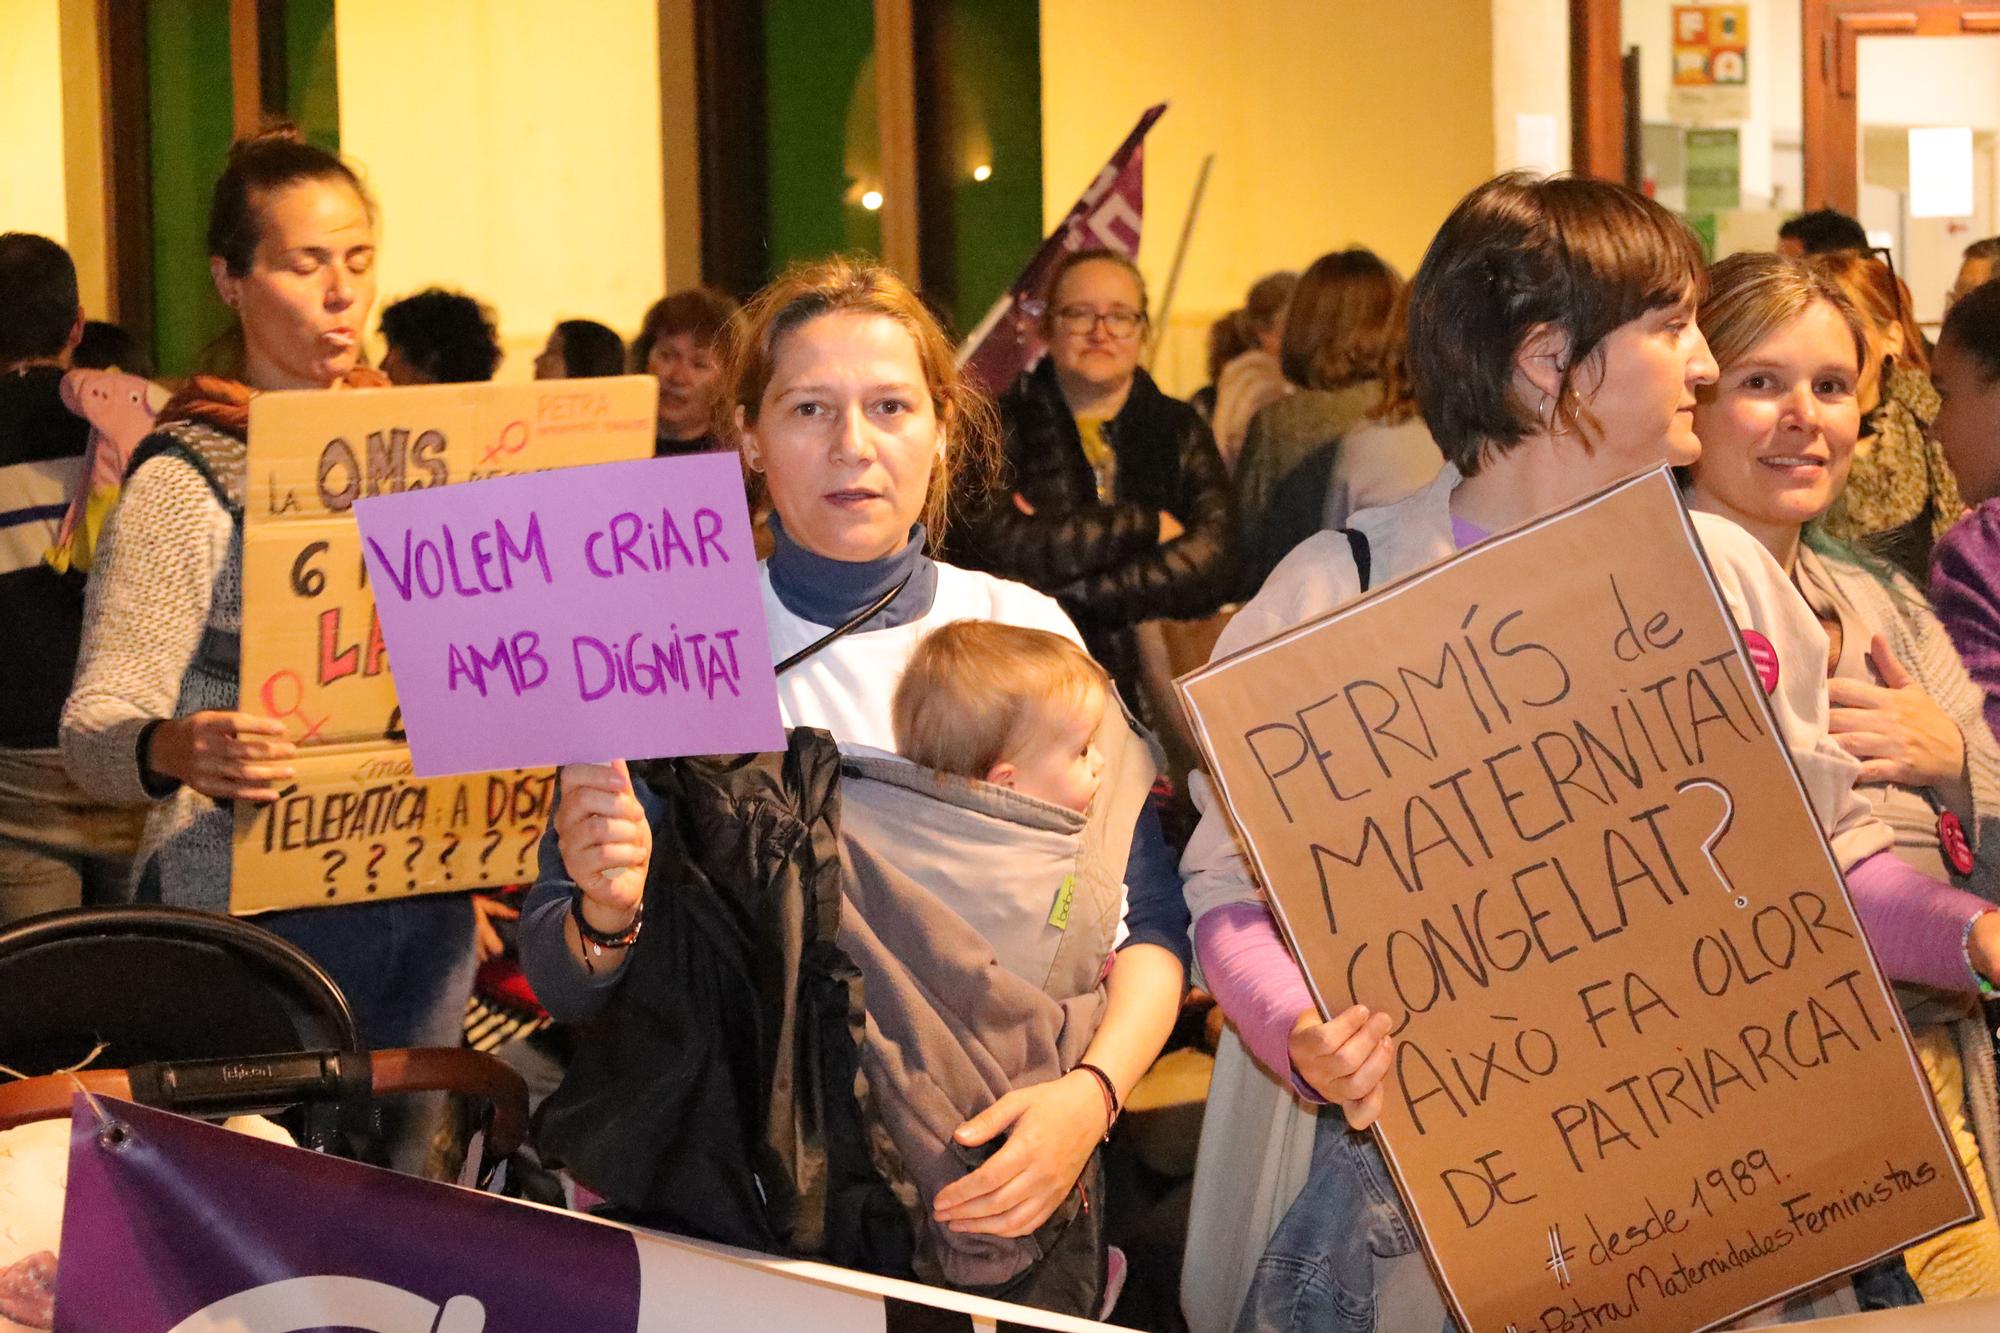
(356, 823)
(188, 1227)
(1531, 803)
(575, 616)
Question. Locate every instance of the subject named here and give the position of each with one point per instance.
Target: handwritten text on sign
(576, 615)
(1530, 804)
(356, 824)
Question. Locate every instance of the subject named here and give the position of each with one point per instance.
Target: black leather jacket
(1104, 561)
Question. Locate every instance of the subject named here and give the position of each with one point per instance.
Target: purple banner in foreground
(583, 614)
(175, 1226)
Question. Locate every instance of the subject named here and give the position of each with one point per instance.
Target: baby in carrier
(1015, 708)
(985, 868)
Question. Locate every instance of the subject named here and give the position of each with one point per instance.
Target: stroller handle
(239, 1083)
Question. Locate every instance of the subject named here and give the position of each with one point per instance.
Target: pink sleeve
(1915, 924)
(1255, 979)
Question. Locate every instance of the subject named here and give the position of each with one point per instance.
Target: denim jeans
(1344, 1258)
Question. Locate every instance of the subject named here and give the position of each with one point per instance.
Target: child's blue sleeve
(1157, 911)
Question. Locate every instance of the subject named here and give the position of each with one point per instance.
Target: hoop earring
(1545, 417)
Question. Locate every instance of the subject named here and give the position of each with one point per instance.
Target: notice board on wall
(1531, 802)
(355, 825)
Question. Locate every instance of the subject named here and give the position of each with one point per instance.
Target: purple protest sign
(584, 614)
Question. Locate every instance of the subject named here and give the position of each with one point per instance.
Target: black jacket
(719, 1098)
(1105, 562)
(720, 1091)
(42, 610)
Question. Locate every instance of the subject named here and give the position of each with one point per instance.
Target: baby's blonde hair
(977, 692)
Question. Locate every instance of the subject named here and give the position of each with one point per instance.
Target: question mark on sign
(533, 835)
(493, 836)
(410, 861)
(1716, 834)
(334, 859)
(444, 857)
(375, 855)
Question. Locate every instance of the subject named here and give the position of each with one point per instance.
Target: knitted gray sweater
(169, 568)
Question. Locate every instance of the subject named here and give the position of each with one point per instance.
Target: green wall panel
(819, 79)
(312, 93)
(994, 57)
(188, 101)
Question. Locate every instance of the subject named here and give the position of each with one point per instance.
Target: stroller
(208, 1016)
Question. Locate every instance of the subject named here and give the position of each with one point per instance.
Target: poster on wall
(1711, 65)
(1714, 172)
(356, 824)
(1531, 803)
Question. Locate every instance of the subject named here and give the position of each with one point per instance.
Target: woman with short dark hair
(440, 337)
(1554, 350)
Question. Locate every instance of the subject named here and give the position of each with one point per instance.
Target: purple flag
(1008, 340)
(177, 1226)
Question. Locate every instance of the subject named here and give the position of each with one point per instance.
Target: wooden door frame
(1597, 89)
(1832, 111)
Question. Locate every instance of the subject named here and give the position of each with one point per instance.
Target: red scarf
(224, 404)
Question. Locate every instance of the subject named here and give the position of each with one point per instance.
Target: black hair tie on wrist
(1111, 1107)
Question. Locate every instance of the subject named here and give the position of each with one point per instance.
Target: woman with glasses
(1901, 492)
(1116, 502)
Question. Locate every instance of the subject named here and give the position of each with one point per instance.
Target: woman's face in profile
(846, 435)
(310, 286)
(551, 362)
(1639, 397)
(1968, 424)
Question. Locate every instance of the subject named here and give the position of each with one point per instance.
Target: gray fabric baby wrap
(979, 977)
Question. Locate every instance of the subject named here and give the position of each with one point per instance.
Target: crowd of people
(964, 591)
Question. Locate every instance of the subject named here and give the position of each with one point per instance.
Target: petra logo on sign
(334, 1302)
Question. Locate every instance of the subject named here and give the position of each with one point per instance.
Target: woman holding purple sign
(1554, 349)
(849, 404)
(153, 715)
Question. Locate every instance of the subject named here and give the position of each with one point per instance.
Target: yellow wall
(83, 156)
(514, 148)
(1530, 79)
(1361, 121)
(31, 147)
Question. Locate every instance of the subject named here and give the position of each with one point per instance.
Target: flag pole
(1180, 257)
